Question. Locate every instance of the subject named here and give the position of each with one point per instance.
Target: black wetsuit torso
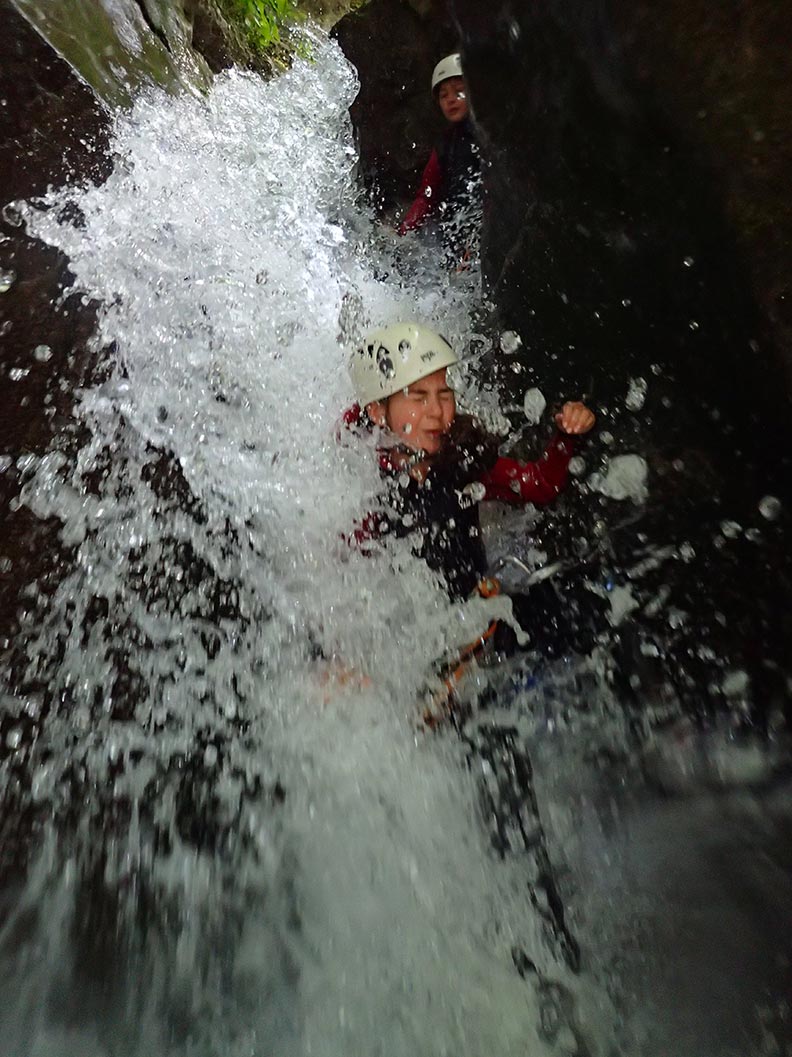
(461, 206)
(441, 513)
(443, 522)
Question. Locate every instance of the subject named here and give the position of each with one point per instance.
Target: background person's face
(452, 97)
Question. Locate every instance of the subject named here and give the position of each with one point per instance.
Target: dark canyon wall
(394, 45)
(613, 247)
(52, 129)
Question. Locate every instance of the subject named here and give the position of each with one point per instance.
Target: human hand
(575, 418)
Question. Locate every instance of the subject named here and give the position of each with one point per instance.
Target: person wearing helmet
(438, 466)
(450, 188)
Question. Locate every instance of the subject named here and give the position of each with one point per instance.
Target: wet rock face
(607, 248)
(50, 121)
(596, 216)
(605, 217)
(394, 46)
(720, 74)
(51, 128)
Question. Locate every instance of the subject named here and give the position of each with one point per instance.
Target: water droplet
(636, 394)
(42, 353)
(11, 215)
(688, 262)
(534, 404)
(16, 374)
(770, 507)
(14, 738)
(626, 477)
(577, 466)
(735, 683)
(7, 279)
(510, 342)
(693, 324)
(730, 529)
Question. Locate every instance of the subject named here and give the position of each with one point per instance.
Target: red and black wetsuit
(441, 513)
(451, 189)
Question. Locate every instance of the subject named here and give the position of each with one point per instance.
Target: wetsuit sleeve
(427, 197)
(511, 481)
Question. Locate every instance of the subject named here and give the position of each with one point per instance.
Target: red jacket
(511, 481)
(427, 197)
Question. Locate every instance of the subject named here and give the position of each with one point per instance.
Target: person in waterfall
(437, 466)
(450, 191)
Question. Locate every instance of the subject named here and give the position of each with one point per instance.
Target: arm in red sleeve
(511, 481)
(427, 197)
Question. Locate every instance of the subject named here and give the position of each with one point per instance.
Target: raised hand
(575, 418)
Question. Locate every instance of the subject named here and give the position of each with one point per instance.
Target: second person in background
(451, 185)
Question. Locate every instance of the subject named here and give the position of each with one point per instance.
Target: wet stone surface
(607, 251)
(397, 121)
(52, 131)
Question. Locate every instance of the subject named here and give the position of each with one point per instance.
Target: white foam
(364, 914)
(625, 478)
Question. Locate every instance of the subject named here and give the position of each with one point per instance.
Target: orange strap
(487, 588)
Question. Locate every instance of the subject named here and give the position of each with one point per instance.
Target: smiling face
(419, 415)
(452, 97)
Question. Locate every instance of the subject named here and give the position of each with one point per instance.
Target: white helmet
(394, 357)
(450, 66)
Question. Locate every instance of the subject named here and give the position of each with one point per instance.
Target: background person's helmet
(450, 66)
(394, 357)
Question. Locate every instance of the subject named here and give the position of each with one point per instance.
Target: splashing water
(235, 848)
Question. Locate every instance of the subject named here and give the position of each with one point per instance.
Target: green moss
(262, 20)
(260, 29)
